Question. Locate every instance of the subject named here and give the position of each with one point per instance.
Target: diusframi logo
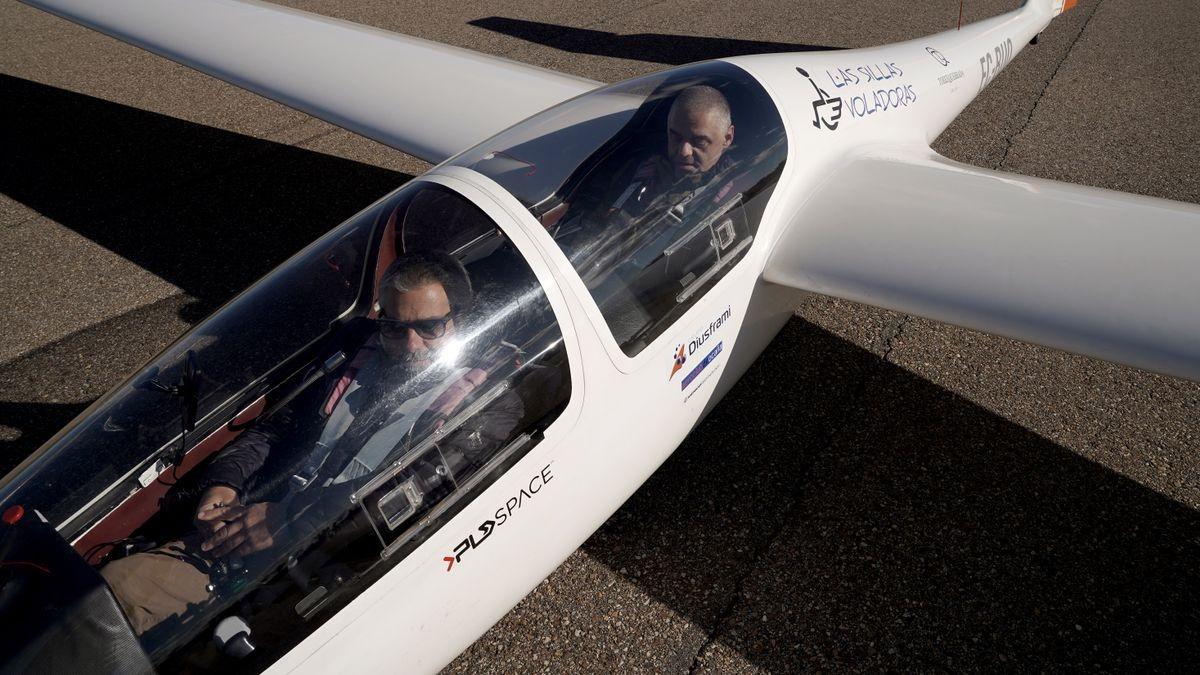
(680, 359)
(826, 110)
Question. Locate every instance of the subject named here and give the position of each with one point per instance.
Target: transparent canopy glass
(653, 188)
(344, 409)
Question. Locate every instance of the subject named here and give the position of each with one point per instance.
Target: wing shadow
(79, 368)
(866, 518)
(649, 47)
(208, 210)
(31, 424)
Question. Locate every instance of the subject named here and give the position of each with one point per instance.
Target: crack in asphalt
(1046, 85)
(893, 332)
(736, 597)
(842, 420)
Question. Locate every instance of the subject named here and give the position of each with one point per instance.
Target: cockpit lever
(187, 389)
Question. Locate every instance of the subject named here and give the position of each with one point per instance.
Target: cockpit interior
(600, 174)
(342, 424)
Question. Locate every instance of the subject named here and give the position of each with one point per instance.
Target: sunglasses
(428, 329)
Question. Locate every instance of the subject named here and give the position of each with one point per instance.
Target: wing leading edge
(427, 99)
(1087, 270)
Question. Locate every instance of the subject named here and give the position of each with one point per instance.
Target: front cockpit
(300, 443)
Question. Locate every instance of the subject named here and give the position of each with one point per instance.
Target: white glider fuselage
(627, 414)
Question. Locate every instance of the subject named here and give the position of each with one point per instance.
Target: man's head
(420, 295)
(699, 129)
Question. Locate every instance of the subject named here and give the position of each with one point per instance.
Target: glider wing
(1092, 271)
(424, 98)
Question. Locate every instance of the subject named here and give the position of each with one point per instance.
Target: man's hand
(244, 529)
(214, 497)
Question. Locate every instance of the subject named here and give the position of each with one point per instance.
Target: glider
(625, 267)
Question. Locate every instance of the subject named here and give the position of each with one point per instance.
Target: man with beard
(288, 477)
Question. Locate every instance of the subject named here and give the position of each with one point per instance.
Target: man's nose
(685, 149)
(413, 342)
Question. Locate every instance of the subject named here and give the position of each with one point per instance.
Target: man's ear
(729, 136)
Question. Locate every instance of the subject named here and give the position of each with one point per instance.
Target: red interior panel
(387, 255)
(135, 510)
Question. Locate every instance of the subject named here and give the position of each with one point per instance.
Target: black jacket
(260, 463)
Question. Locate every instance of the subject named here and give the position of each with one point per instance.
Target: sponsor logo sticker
(885, 89)
(827, 110)
(712, 356)
(701, 343)
(680, 359)
(949, 78)
(510, 509)
(686, 349)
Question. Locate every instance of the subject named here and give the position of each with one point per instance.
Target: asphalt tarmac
(908, 496)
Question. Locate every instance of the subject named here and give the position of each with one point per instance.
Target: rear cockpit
(653, 188)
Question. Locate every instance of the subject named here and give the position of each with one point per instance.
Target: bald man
(699, 131)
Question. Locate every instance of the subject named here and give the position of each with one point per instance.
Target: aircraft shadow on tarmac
(871, 517)
(208, 210)
(649, 47)
(152, 188)
(79, 368)
(866, 518)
